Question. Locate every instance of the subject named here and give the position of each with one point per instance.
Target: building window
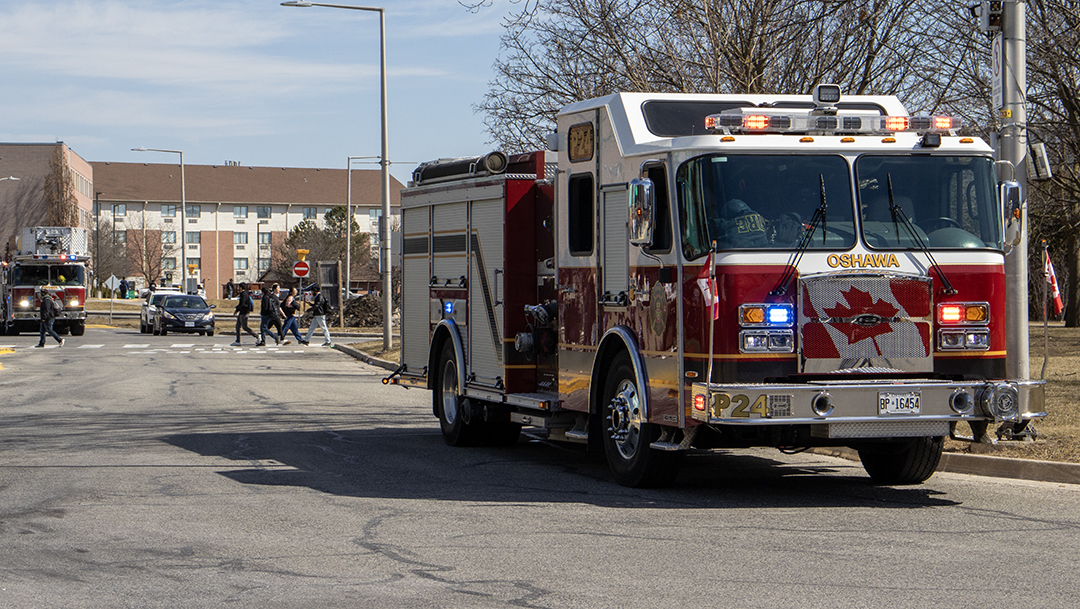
(264, 238)
(119, 209)
(168, 210)
(192, 237)
(263, 211)
(168, 236)
(240, 238)
(193, 211)
(240, 264)
(168, 264)
(264, 265)
(196, 262)
(239, 211)
(311, 213)
(119, 236)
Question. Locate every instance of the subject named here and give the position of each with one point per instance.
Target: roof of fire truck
(648, 123)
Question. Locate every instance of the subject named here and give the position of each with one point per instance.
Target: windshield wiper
(804, 243)
(896, 211)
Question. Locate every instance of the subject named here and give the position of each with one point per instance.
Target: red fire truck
(687, 272)
(50, 259)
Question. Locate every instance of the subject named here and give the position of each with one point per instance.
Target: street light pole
(384, 227)
(348, 228)
(183, 210)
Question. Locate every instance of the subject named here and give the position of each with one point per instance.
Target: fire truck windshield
(49, 274)
(763, 202)
(951, 201)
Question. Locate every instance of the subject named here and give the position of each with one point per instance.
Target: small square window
(168, 236)
(240, 238)
(193, 211)
(311, 213)
(240, 264)
(168, 264)
(192, 237)
(119, 209)
(263, 211)
(240, 211)
(168, 211)
(264, 238)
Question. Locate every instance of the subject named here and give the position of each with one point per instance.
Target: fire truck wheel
(78, 328)
(908, 463)
(455, 411)
(628, 435)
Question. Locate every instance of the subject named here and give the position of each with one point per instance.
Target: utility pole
(1006, 21)
(1013, 148)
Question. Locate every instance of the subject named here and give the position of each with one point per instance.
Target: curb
(364, 357)
(985, 465)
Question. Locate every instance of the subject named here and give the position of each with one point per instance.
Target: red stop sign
(300, 269)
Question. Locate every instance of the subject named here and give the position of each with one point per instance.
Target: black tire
(902, 463)
(78, 328)
(627, 435)
(11, 329)
(142, 327)
(210, 332)
(163, 331)
(455, 411)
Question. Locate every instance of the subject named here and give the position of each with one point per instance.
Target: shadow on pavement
(410, 463)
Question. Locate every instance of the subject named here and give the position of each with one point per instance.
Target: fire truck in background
(50, 259)
(719, 271)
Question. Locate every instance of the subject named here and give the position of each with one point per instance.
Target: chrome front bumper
(865, 408)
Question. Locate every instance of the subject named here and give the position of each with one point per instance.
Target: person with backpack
(48, 312)
(320, 308)
(244, 306)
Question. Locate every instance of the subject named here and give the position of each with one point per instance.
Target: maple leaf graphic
(862, 303)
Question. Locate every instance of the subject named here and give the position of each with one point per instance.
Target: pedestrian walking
(244, 307)
(292, 322)
(123, 288)
(230, 289)
(271, 314)
(320, 308)
(48, 311)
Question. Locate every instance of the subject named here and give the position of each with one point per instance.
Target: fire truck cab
(687, 272)
(50, 259)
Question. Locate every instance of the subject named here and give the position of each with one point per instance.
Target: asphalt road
(143, 471)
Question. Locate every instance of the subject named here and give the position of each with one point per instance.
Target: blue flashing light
(448, 307)
(780, 315)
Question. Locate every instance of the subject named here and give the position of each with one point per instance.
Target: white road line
(91, 346)
(182, 346)
(144, 346)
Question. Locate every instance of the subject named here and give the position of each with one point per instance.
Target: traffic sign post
(300, 269)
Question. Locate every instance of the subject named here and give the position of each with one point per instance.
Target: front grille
(865, 317)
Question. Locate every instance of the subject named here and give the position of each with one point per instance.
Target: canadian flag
(706, 281)
(1051, 279)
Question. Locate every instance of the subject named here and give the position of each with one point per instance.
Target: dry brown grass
(1059, 433)
(374, 348)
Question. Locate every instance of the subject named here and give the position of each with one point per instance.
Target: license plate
(898, 403)
(189, 324)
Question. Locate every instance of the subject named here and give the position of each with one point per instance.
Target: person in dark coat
(244, 306)
(270, 313)
(48, 311)
(123, 288)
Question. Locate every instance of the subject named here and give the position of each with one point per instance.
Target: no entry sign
(300, 269)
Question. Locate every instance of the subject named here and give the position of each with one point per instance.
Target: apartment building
(236, 218)
(28, 174)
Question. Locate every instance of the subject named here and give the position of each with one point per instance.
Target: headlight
(24, 303)
(209, 316)
(74, 302)
(168, 315)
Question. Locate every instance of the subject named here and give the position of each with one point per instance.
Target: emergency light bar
(754, 120)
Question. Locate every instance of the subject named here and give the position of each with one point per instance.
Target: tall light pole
(183, 210)
(384, 226)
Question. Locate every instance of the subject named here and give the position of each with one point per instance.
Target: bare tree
(1053, 35)
(61, 207)
(109, 255)
(147, 249)
(560, 51)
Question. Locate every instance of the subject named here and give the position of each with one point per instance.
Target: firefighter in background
(737, 224)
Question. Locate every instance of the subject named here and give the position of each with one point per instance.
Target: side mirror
(1012, 208)
(642, 211)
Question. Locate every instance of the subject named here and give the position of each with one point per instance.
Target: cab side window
(662, 230)
(580, 215)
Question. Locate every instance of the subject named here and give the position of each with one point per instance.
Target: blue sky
(246, 80)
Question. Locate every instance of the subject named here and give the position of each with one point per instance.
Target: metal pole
(1012, 148)
(348, 231)
(183, 223)
(384, 255)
